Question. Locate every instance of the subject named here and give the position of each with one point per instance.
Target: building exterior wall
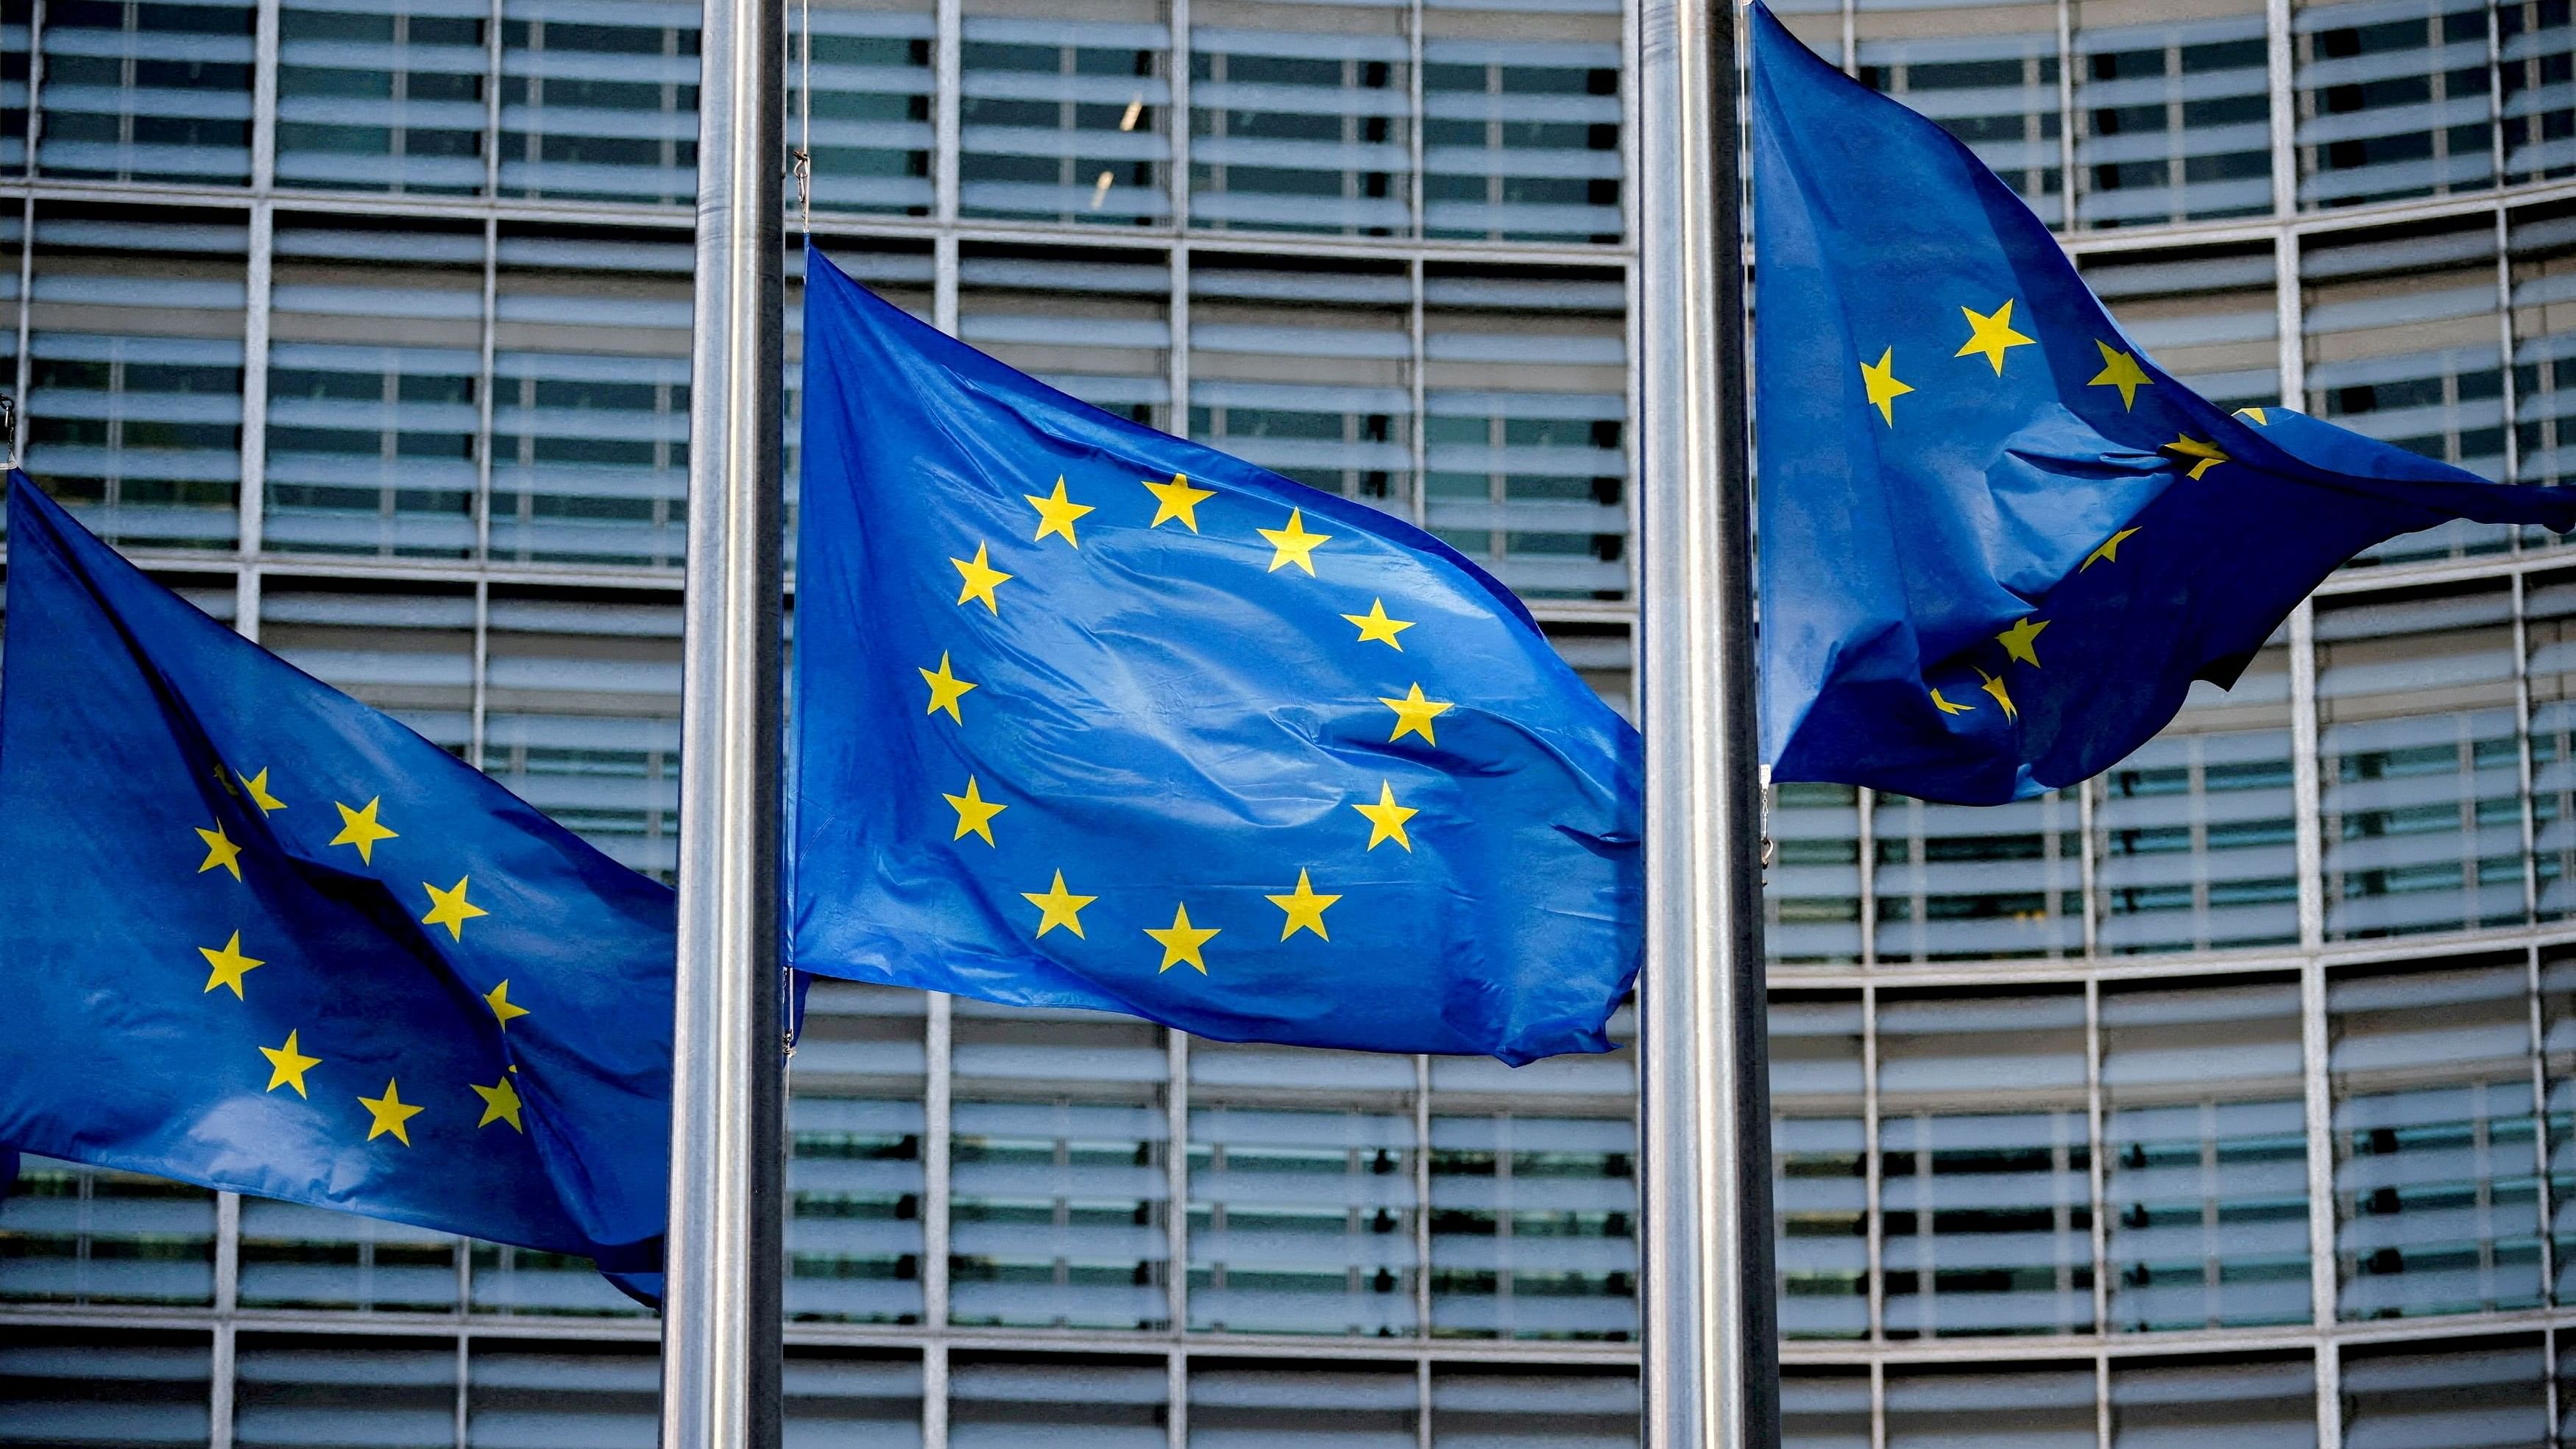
(2229, 1095)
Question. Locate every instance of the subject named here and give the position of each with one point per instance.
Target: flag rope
(805, 119)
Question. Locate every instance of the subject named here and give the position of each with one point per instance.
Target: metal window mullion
(482, 686)
(35, 108)
(943, 283)
(1176, 309)
(1422, 1224)
(2305, 786)
(947, 54)
(464, 1400)
(219, 1397)
(1865, 838)
(254, 398)
(1877, 1384)
(26, 327)
(1414, 187)
(1873, 1221)
(1851, 38)
(2522, 757)
(2542, 1194)
(2097, 1180)
(492, 63)
(2102, 1399)
(2278, 60)
(937, 1112)
(263, 113)
(934, 1395)
(483, 385)
(219, 1404)
(1176, 1192)
(1176, 115)
(2495, 95)
(2088, 863)
(2065, 115)
(2319, 1123)
(1419, 448)
(1422, 1394)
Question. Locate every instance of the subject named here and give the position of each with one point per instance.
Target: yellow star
(257, 785)
(287, 1066)
(2120, 370)
(360, 828)
(1181, 941)
(229, 965)
(1995, 687)
(450, 908)
(1992, 336)
(2191, 447)
(220, 850)
(390, 1112)
(1293, 544)
(1386, 818)
(498, 998)
(2257, 416)
(1946, 707)
(981, 578)
(500, 1104)
(1059, 906)
(1376, 625)
(1879, 379)
(945, 689)
(1177, 499)
(974, 813)
(2110, 550)
(1414, 714)
(2019, 639)
(1056, 514)
(1305, 909)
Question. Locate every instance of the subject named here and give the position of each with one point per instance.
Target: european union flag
(1090, 716)
(1999, 542)
(262, 937)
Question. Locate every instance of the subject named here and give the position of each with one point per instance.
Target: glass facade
(2231, 1095)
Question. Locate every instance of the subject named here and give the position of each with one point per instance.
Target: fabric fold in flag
(1998, 542)
(1090, 716)
(288, 947)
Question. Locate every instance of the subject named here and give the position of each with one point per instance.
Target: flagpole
(1711, 1349)
(721, 1327)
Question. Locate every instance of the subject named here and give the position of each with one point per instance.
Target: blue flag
(1998, 542)
(268, 939)
(1090, 716)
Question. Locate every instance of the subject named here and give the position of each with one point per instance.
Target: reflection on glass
(2436, 1171)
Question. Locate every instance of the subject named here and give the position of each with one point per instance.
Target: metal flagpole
(720, 1337)
(1711, 1350)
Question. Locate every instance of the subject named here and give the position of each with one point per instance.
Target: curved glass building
(2229, 1098)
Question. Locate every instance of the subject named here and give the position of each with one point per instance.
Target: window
(1303, 130)
(383, 97)
(855, 1159)
(1985, 1164)
(2206, 1135)
(1521, 126)
(1525, 378)
(2419, 760)
(2402, 347)
(1063, 118)
(2173, 116)
(2392, 99)
(2436, 1172)
(1302, 1202)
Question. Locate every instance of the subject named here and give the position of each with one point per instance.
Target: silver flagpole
(1711, 1349)
(720, 1337)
